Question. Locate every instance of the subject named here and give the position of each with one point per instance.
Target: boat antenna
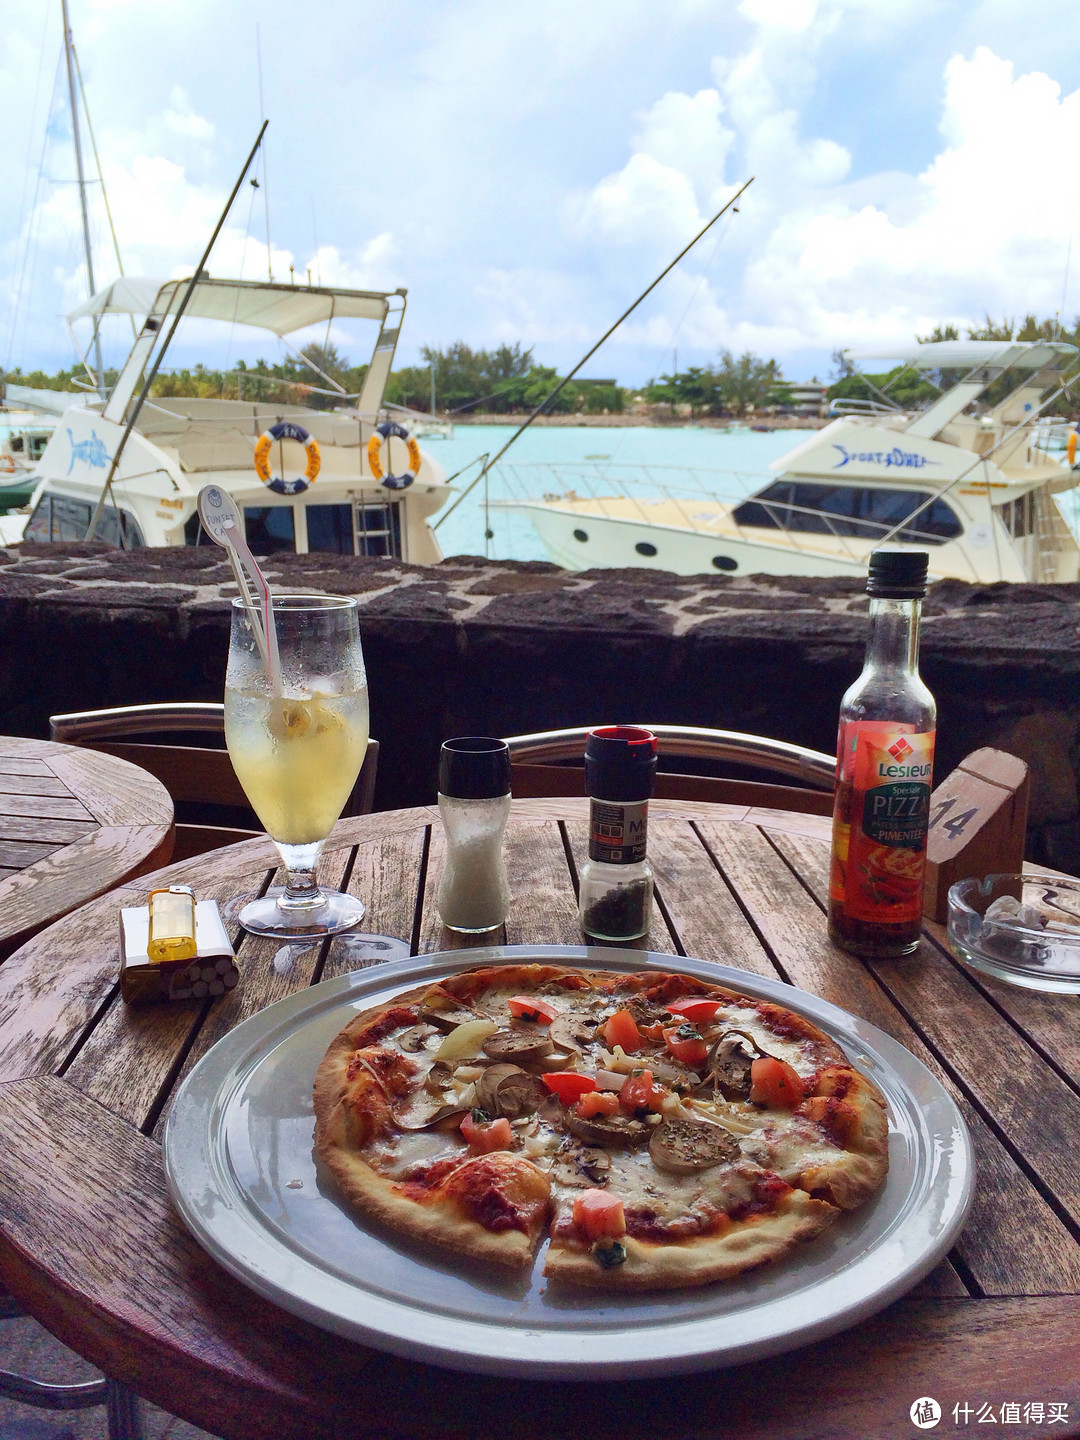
(590, 353)
(69, 47)
(265, 184)
(200, 273)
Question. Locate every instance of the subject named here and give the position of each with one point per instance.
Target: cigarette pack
(212, 972)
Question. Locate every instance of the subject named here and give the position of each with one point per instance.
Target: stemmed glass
(297, 754)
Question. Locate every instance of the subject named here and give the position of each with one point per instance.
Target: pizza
(661, 1130)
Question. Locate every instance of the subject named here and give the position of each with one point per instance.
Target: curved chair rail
(80, 725)
(812, 767)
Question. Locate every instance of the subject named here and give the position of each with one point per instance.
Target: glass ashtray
(1038, 948)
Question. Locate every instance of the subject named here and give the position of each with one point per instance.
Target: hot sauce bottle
(884, 772)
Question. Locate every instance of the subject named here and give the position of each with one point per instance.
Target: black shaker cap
(620, 763)
(474, 767)
(897, 574)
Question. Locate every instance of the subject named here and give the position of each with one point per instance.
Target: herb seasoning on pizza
(662, 1131)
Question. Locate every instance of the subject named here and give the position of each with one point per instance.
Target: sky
(526, 170)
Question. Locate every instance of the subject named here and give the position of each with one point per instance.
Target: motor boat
(348, 480)
(968, 477)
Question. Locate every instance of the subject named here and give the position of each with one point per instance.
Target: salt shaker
(616, 887)
(474, 802)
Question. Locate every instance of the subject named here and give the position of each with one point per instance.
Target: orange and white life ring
(7, 464)
(286, 430)
(388, 429)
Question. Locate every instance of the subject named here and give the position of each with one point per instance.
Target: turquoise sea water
(734, 462)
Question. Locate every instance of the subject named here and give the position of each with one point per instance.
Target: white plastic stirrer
(222, 522)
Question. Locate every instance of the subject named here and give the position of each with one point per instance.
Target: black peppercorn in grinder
(616, 885)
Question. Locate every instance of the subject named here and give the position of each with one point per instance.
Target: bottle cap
(620, 763)
(897, 574)
(474, 767)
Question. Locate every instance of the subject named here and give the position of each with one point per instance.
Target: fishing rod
(589, 354)
(200, 270)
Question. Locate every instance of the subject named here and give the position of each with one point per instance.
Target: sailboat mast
(99, 373)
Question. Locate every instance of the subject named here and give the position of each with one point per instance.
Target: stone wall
(475, 646)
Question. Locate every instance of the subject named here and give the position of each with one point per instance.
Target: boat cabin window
(270, 528)
(56, 517)
(329, 529)
(1018, 516)
(119, 527)
(866, 511)
(355, 530)
(37, 527)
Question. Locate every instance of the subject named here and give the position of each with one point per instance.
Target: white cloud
(182, 120)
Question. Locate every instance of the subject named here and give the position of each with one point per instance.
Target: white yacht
(972, 482)
(24, 434)
(346, 481)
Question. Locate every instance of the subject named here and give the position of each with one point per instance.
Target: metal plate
(238, 1157)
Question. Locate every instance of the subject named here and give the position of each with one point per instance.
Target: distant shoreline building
(808, 398)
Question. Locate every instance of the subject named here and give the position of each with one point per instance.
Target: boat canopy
(279, 308)
(961, 354)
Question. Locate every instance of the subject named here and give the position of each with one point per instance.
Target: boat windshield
(867, 511)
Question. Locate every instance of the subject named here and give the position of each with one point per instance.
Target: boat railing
(863, 407)
(611, 488)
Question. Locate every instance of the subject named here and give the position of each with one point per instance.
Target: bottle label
(885, 774)
(617, 833)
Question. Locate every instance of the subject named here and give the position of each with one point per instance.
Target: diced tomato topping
(774, 1083)
(686, 1044)
(640, 1092)
(568, 1085)
(598, 1102)
(483, 1136)
(599, 1216)
(531, 1007)
(695, 1009)
(621, 1029)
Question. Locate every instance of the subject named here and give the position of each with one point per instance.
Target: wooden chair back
(195, 775)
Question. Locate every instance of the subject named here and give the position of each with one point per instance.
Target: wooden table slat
(10, 765)
(706, 916)
(33, 785)
(20, 854)
(49, 807)
(386, 877)
(37, 827)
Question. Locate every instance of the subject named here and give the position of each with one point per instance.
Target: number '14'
(956, 824)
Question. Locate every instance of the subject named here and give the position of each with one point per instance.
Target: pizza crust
(438, 1220)
(747, 1244)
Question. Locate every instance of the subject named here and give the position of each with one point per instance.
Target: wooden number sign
(978, 820)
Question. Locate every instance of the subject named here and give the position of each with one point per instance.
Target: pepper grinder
(616, 887)
(474, 802)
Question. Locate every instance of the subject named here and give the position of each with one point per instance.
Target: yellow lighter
(172, 924)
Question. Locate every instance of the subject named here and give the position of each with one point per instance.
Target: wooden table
(90, 1245)
(73, 824)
